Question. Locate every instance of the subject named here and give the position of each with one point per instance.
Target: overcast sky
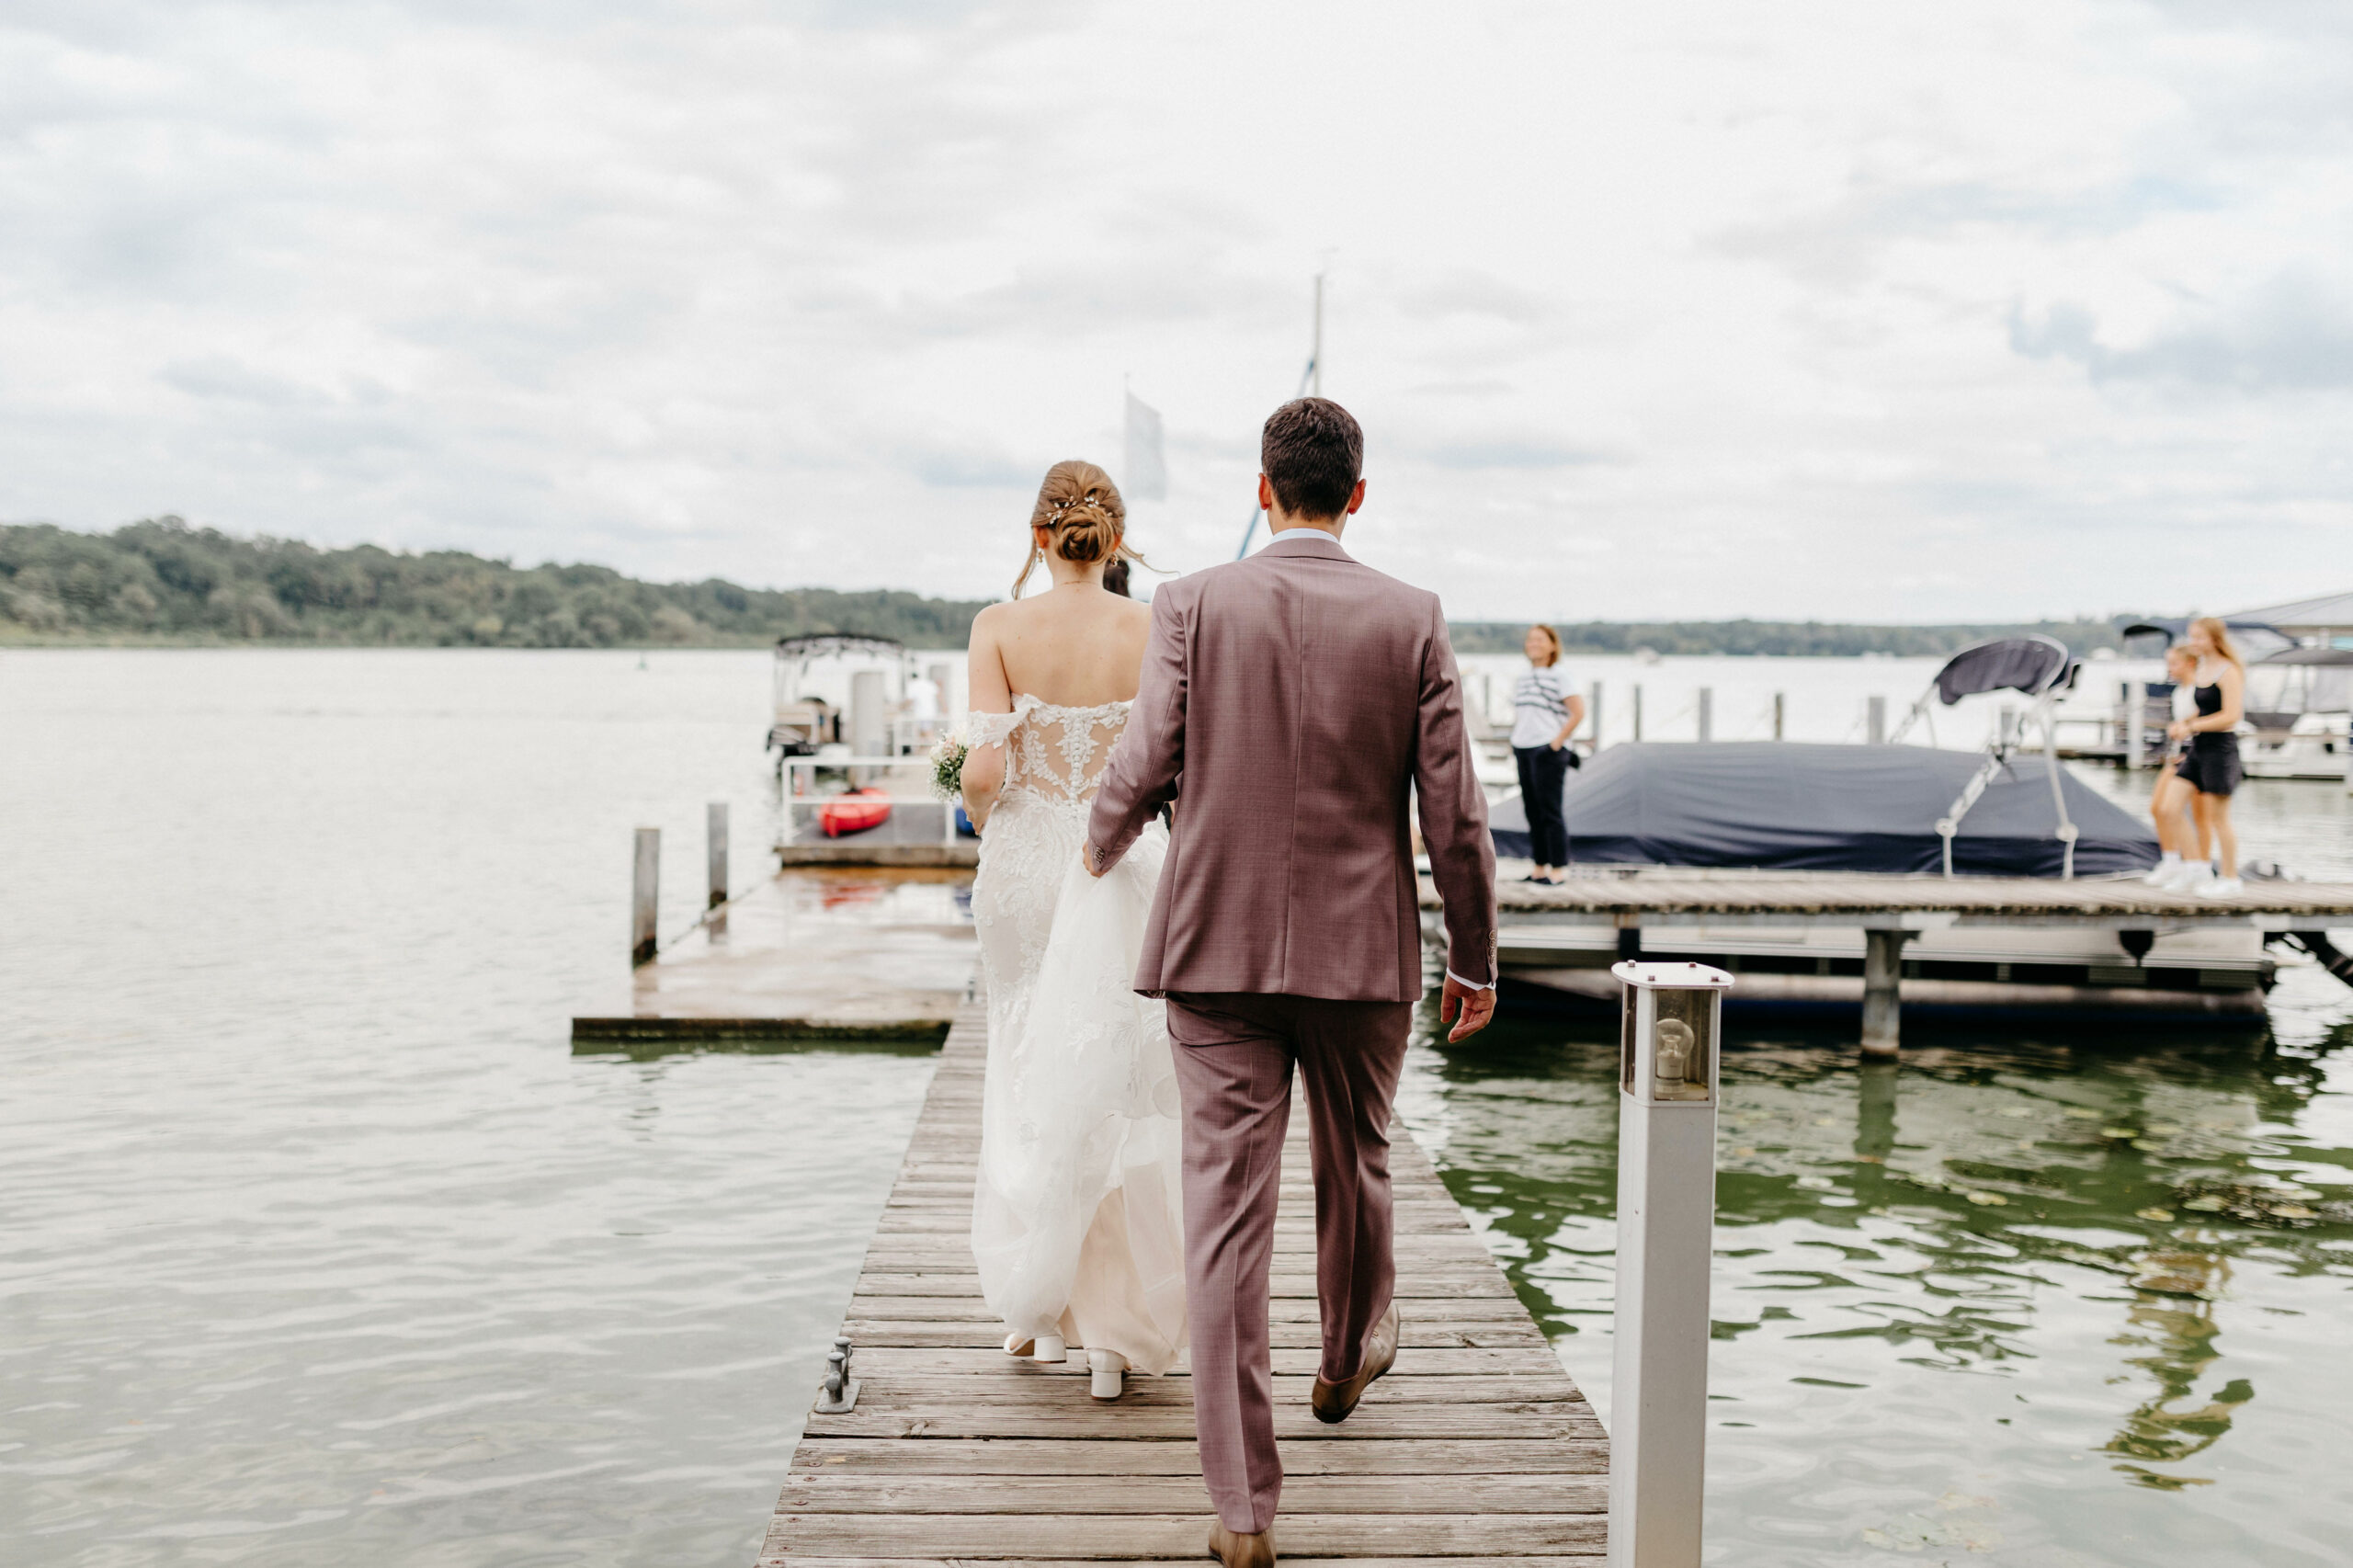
(1844, 309)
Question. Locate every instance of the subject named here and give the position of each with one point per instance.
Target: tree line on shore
(163, 581)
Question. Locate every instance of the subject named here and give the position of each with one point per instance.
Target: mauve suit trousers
(1234, 1056)
(1297, 708)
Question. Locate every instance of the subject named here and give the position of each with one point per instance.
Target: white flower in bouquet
(948, 765)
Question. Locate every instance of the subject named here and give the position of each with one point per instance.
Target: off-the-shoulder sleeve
(994, 728)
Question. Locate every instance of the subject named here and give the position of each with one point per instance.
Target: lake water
(317, 1242)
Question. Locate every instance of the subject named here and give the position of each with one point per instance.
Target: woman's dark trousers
(1542, 774)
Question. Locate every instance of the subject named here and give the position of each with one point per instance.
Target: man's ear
(1356, 498)
(1265, 496)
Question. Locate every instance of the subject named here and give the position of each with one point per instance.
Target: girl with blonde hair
(2169, 800)
(2211, 767)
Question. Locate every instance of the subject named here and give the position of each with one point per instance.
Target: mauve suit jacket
(1291, 703)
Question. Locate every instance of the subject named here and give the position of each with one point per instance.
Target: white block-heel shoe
(1050, 1349)
(1107, 1370)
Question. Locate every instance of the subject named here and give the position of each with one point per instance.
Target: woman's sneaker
(2221, 887)
(2165, 873)
(2194, 874)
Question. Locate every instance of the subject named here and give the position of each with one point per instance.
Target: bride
(1077, 1224)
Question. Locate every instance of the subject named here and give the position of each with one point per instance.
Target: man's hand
(1086, 859)
(1477, 1008)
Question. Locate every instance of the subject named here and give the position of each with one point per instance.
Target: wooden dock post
(1780, 712)
(715, 819)
(1666, 1213)
(1875, 723)
(1593, 721)
(644, 895)
(1882, 988)
(1707, 712)
(1638, 710)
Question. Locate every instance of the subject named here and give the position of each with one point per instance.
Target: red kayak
(853, 811)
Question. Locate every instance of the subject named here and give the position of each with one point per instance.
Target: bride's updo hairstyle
(1085, 519)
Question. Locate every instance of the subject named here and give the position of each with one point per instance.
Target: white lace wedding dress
(1077, 1227)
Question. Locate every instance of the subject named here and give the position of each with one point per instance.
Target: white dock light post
(1670, 1048)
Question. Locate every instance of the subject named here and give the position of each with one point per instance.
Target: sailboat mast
(1315, 352)
(1311, 383)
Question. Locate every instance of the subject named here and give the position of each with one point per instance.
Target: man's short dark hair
(1311, 453)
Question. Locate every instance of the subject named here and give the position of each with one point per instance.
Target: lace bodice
(1050, 750)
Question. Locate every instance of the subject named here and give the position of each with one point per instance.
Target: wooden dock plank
(1110, 1537)
(1076, 1456)
(1860, 897)
(1478, 1449)
(1523, 1493)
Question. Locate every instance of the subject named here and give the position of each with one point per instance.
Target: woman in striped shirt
(1545, 713)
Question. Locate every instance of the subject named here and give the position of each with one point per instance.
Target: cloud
(2291, 334)
(1506, 452)
(2016, 287)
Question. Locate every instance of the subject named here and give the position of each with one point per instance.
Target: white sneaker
(2164, 873)
(2221, 887)
(2194, 874)
(1106, 1369)
(1050, 1349)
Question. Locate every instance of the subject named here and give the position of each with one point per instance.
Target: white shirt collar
(1306, 541)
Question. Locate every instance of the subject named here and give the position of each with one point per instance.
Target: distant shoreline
(160, 583)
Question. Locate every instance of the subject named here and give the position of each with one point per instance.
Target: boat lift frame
(2044, 692)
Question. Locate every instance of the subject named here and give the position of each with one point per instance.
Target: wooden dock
(841, 953)
(1477, 1450)
(1892, 911)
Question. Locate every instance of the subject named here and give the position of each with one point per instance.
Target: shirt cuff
(1469, 985)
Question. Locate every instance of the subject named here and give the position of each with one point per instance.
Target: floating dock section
(832, 954)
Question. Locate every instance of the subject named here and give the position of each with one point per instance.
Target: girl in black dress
(2211, 767)
(2169, 806)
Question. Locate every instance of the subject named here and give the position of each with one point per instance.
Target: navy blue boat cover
(1780, 805)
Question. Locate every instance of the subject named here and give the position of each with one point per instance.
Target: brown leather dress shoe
(1332, 1402)
(1242, 1550)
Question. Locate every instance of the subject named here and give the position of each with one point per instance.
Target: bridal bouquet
(948, 765)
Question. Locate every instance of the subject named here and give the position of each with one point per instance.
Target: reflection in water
(2013, 1298)
(2180, 1339)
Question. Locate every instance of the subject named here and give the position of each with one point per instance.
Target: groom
(1291, 703)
